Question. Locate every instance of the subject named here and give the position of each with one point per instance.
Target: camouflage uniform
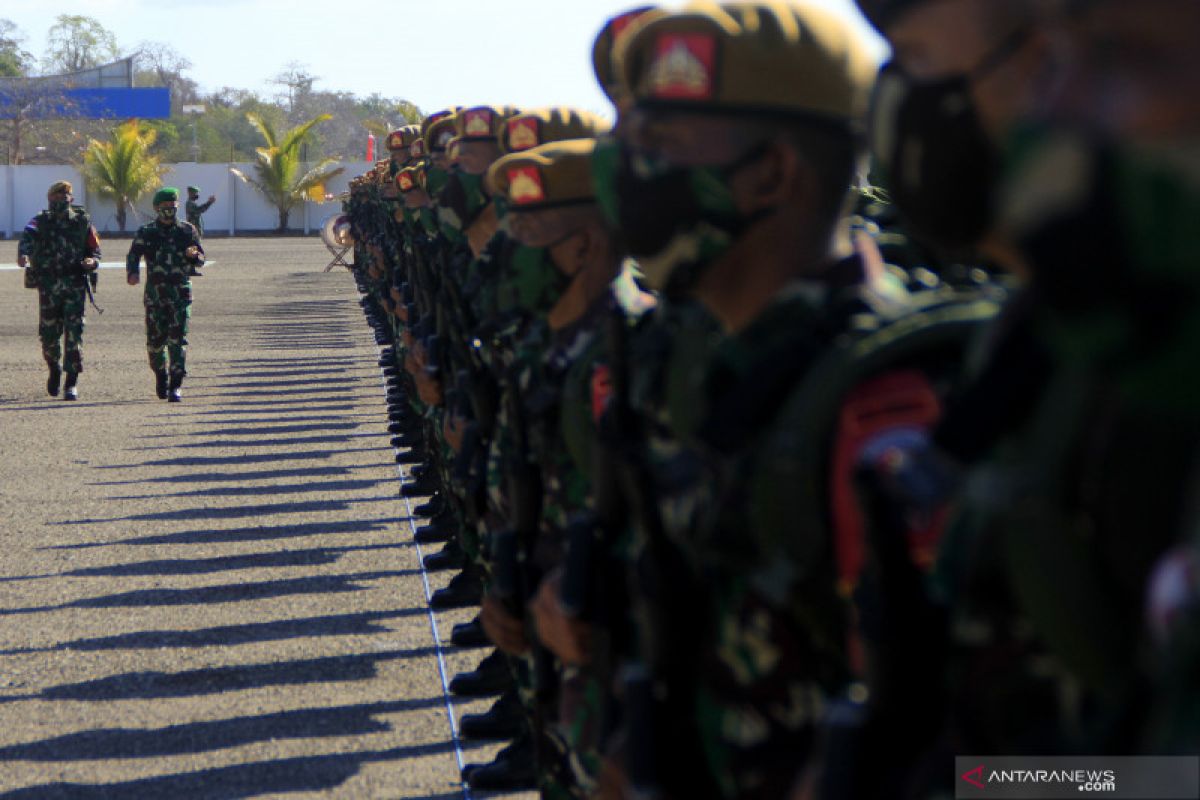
(56, 245)
(194, 213)
(168, 293)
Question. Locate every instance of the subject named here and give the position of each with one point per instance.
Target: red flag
(370, 148)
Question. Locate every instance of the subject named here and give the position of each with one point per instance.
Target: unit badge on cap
(478, 123)
(525, 185)
(417, 149)
(522, 133)
(683, 66)
(404, 181)
(395, 140)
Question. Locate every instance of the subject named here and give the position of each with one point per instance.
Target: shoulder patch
(601, 390)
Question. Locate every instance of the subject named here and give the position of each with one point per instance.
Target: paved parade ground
(220, 598)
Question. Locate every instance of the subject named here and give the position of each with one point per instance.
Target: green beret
(166, 194)
(195, 189)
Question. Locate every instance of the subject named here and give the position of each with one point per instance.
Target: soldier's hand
(133, 279)
(612, 784)
(566, 637)
(22, 261)
(429, 389)
(212, 198)
(90, 263)
(502, 628)
(454, 426)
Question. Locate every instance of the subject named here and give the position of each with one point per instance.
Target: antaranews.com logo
(1038, 778)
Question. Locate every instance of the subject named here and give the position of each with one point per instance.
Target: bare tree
(299, 83)
(166, 65)
(25, 105)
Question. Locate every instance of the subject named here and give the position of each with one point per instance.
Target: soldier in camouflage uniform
(169, 246)
(194, 209)
(61, 250)
(732, 191)
(194, 213)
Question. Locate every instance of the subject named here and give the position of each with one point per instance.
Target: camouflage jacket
(163, 247)
(194, 211)
(56, 245)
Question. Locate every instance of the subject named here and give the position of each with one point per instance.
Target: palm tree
(277, 167)
(122, 169)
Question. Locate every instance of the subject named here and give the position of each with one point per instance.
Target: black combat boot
(463, 591)
(54, 380)
(424, 486)
(435, 532)
(173, 393)
(469, 634)
(411, 456)
(69, 390)
(431, 507)
(513, 770)
(504, 720)
(491, 677)
(449, 557)
(160, 383)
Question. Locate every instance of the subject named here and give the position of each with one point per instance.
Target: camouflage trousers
(168, 309)
(60, 318)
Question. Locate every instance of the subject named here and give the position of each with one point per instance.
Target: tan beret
(605, 44)
(436, 117)
(528, 130)
(410, 178)
(440, 133)
(482, 122)
(60, 186)
(550, 175)
(762, 58)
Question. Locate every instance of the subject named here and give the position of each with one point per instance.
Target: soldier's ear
(770, 181)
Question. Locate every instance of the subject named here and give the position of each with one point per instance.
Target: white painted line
(437, 639)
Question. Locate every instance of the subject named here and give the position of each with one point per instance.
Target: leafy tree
(76, 42)
(278, 165)
(123, 169)
(13, 60)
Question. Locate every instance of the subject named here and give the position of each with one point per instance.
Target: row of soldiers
(766, 488)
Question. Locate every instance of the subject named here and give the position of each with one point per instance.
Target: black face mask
(941, 167)
(678, 220)
(462, 197)
(60, 206)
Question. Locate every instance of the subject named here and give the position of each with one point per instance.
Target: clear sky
(433, 53)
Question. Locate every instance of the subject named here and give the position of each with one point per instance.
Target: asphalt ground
(219, 598)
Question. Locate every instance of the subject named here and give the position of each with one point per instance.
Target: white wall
(239, 207)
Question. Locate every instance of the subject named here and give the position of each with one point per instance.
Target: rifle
(657, 687)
